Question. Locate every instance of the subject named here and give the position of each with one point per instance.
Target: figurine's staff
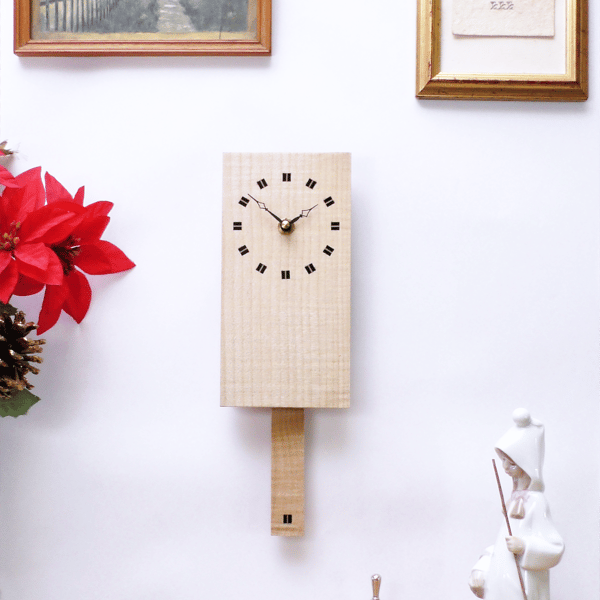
(509, 529)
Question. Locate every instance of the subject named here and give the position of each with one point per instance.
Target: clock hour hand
(263, 206)
(304, 213)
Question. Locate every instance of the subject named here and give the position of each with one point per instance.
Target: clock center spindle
(286, 227)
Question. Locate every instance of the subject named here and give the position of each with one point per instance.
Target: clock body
(285, 339)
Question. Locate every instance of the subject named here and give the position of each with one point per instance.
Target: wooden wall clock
(285, 326)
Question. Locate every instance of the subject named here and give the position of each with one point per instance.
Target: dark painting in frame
(142, 27)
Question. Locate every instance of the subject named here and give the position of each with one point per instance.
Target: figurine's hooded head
(524, 444)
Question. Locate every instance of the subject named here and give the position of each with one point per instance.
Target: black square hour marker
(311, 183)
(310, 268)
(335, 225)
(285, 274)
(237, 225)
(262, 184)
(287, 519)
(287, 176)
(328, 250)
(243, 250)
(261, 268)
(244, 201)
(329, 201)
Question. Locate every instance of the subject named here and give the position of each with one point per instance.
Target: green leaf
(18, 404)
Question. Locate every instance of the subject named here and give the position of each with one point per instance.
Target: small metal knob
(286, 227)
(376, 581)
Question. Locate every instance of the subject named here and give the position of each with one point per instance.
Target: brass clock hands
(263, 206)
(304, 213)
(285, 225)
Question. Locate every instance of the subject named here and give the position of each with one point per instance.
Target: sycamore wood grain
(287, 472)
(286, 343)
(432, 83)
(211, 44)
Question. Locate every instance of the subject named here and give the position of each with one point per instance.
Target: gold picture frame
(72, 28)
(435, 83)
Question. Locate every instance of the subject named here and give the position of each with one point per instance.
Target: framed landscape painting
(142, 27)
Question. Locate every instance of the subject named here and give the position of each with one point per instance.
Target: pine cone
(16, 352)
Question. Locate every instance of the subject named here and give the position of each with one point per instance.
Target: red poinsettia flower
(76, 243)
(25, 224)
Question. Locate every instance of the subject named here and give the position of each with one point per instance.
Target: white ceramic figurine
(516, 566)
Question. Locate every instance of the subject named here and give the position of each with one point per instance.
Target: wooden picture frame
(437, 80)
(72, 28)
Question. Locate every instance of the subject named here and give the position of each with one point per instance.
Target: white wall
(475, 291)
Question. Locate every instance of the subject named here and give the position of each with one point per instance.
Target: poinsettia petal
(17, 203)
(69, 206)
(27, 286)
(40, 263)
(102, 258)
(100, 208)
(8, 281)
(7, 178)
(54, 299)
(55, 191)
(61, 230)
(90, 230)
(35, 255)
(79, 196)
(5, 259)
(42, 221)
(79, 295)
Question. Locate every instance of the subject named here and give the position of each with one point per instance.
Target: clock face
(288, 226)
(286, 280)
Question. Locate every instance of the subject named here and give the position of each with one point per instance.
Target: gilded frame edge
(24, 45)
(432, 83)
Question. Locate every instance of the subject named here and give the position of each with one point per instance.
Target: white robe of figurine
(535, 542)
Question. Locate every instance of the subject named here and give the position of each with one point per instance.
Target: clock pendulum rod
(287, 471)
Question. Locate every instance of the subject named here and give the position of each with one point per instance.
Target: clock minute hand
(263, 206)
(304, 213)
